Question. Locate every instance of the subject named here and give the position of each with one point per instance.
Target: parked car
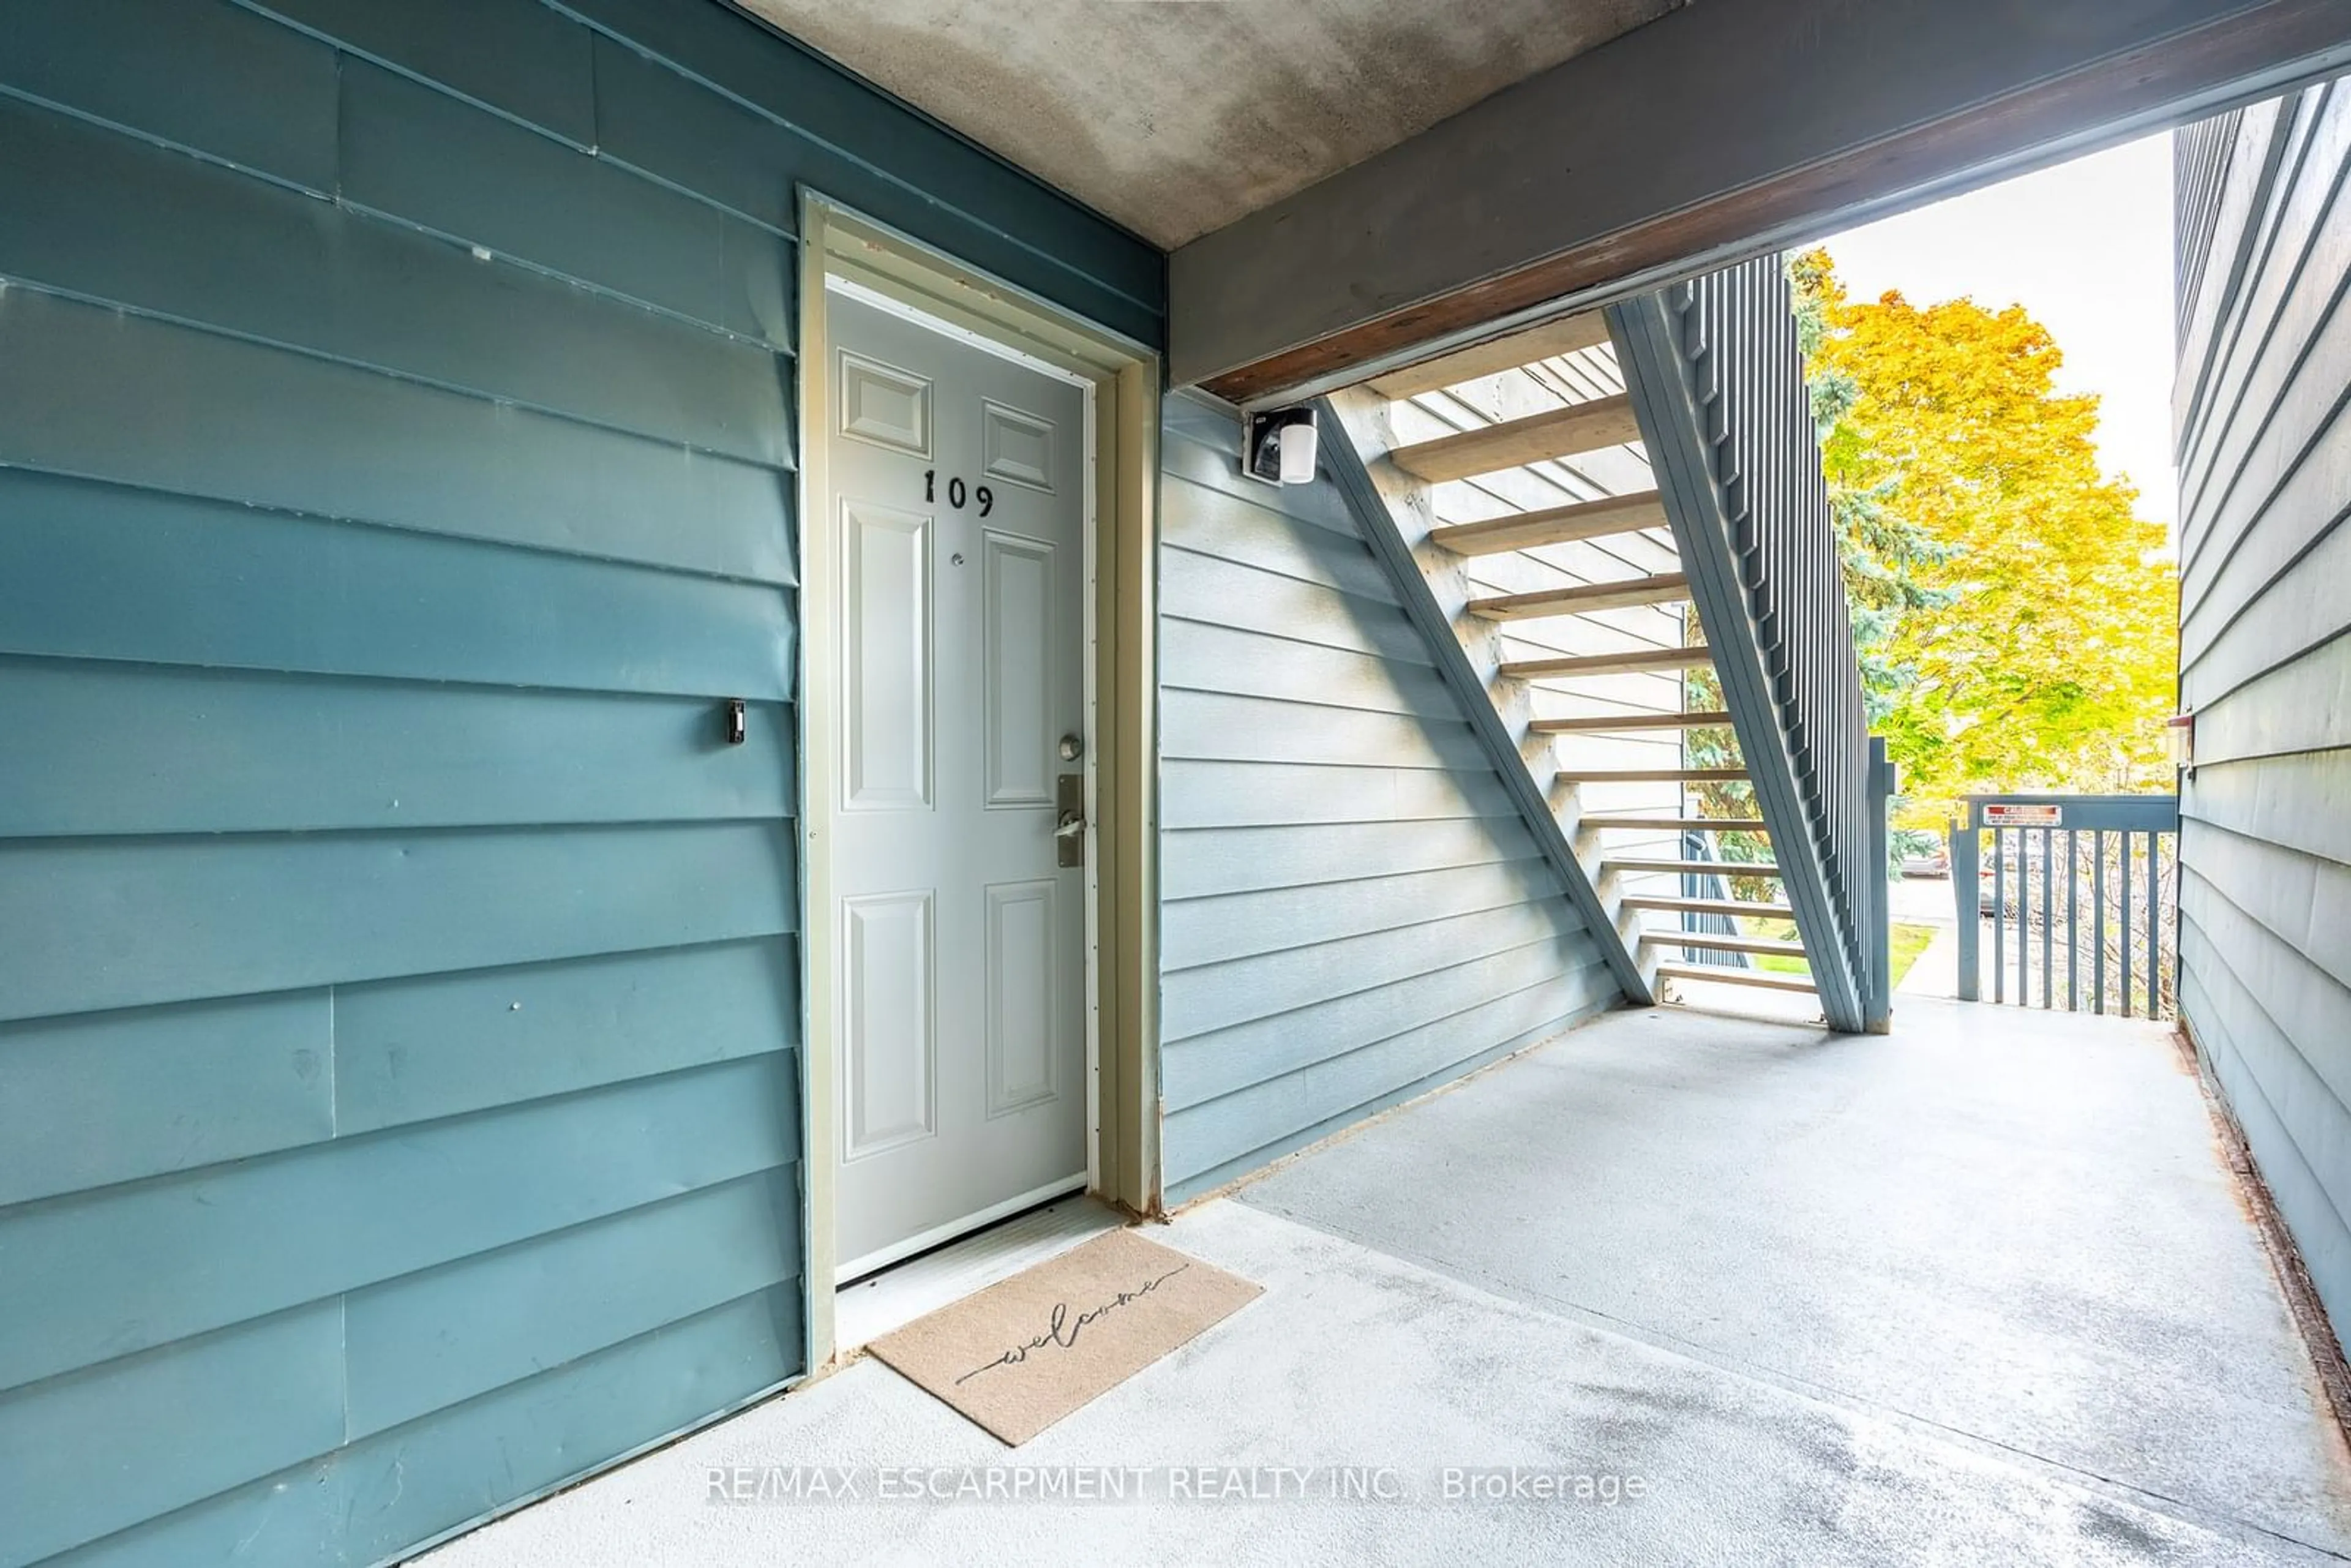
(1931, 862)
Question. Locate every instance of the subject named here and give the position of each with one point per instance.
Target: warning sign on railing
(2014, 814)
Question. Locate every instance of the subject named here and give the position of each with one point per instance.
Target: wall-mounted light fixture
(1281, 445)
(2180, 733)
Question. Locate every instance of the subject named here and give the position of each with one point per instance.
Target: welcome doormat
(1026, 1352)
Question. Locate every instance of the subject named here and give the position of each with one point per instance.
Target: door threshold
(866, 1309)
(938, 1235)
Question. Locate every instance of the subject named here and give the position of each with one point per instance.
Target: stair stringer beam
(1673, 431)
(1432, 583)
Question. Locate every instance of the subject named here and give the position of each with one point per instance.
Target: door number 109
(983, 495)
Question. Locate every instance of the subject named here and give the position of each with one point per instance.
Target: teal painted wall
(398, 975)
(1354, 912)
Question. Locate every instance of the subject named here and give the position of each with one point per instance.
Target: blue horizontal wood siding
(399, 970)
(1353, 910)
(2264, 441)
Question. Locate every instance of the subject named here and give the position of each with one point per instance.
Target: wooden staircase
(1515, 478)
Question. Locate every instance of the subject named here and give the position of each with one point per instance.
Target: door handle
(1070, 825)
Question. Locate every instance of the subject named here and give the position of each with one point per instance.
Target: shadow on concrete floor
(1980, 1291)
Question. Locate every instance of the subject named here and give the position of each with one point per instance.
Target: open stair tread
(1653, 776)
(1761, 979)
(1610, 723)
(1714, 943)
(1639, 660)
(1565, 431)
(1736, 908)
(1585, 330)
(1600, 519)
(1582, 598)
(1695, 868)
(1676, 553)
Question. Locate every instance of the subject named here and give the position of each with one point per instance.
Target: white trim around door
(869, 262)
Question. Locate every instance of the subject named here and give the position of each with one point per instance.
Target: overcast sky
(2085, 247)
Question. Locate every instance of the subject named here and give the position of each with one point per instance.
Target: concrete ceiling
(1176, 117)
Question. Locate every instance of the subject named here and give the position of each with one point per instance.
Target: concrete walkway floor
(1980, 1293)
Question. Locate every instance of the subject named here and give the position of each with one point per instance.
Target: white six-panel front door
(956, 517)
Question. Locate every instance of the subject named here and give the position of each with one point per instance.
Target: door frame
(1121, 380)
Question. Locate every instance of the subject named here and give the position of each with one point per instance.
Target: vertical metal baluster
(2153, 930)
(1998, 914)
(2048, 915)
(2024, 917)
(2072, 923)
(2124, 838)
(1736, 333)
(2098, 920)
(1967, 897)
(2022, 932)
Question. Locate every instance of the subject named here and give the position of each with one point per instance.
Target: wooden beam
(1735, 908)
(1612, 171)
(1685, 824)
(1617, 724)
(1495, 355)
(1761, 979)
(1637, 662)
(1603, 519)
(1555, 432)
(1713, 943)
(1667, 587)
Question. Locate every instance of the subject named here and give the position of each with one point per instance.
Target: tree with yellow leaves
(2016, 616)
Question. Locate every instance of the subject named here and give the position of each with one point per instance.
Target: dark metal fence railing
(1719, 383)
(2078, 889)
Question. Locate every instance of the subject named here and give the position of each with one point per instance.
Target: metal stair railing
(1709, 885)
(1717, 383)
